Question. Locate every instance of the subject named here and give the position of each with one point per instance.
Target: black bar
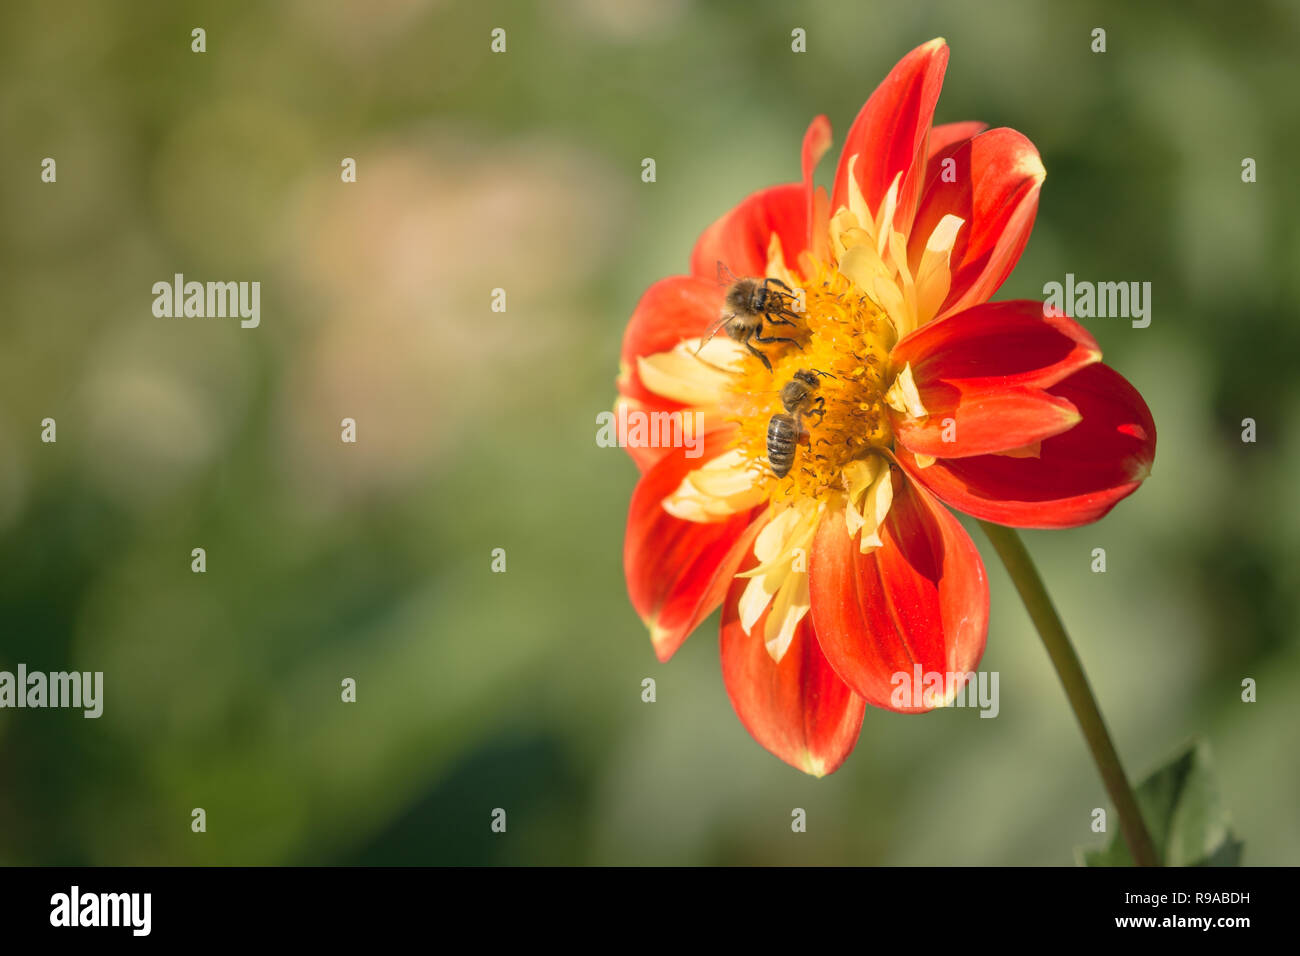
(899, 906)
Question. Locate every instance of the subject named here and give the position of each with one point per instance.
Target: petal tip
(816, 767)
(665, 641)
(1139, 468)
(1030, 165)
(662, 639)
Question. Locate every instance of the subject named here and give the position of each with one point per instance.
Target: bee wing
(715, 329)
(725, 275)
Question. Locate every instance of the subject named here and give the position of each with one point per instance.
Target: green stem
(1068, 668)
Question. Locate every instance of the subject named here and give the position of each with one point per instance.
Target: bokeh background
(476, 429)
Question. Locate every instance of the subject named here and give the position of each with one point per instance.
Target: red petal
(981, 421)
(997, 344)
(951, 134)
(797, 708)
(647, 456)
(678, 571)
(998, 176)
(815, 143)
(889, 135)
(985, 371)
(673, 309)
(740, 238)
(1078, 476)
(920, 600)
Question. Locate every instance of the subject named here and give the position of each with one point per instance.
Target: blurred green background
(476, 429)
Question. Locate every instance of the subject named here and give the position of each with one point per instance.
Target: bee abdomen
(782, 440)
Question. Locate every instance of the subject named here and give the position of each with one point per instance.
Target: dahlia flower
(849, 570)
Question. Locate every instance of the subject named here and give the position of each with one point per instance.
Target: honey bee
(799, 398)
(748, 303)
(782, 437)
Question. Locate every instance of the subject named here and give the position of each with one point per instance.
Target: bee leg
(784, 292)
(761, 357)
(768, 341)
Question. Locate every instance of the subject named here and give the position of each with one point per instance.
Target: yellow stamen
(846, 336)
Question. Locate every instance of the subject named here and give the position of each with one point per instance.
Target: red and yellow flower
(849, 569)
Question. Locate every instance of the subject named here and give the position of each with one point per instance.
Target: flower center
(843, 339)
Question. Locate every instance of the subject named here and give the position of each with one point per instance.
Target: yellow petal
(862, 266)
(905, 321)
(870, 493)
(791, 604)
(754, 600)
(776, 267)
(885, 216)
(725, 486)
(770, 543)
(934, 274)
(684, 376)
(903, 396)
(789, 533)
(858, 203)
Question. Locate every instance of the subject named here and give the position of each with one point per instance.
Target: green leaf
(1188, 822)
